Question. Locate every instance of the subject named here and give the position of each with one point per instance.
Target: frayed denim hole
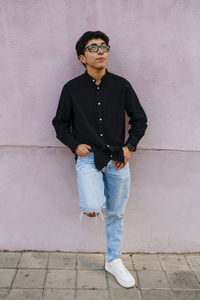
(81, 216)
(101, 213)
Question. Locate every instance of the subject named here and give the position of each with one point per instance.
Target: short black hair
(86, 37)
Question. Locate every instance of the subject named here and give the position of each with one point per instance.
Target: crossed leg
(90, 187)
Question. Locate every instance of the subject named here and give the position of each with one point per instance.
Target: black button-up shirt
(93, 114)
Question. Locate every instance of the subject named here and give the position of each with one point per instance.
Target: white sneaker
(122, 275)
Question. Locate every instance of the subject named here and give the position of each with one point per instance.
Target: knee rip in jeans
(82, 213)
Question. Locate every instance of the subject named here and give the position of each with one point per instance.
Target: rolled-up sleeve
(137, 115)
(63, 120)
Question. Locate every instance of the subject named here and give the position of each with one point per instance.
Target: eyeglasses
(95, 48)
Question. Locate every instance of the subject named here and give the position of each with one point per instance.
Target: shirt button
(108, 145)
(100, 119)
(110, 155)
(99, 103)
(93, 79)
(98, 87)
(101, 134)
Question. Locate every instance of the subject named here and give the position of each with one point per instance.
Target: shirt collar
(90, 78)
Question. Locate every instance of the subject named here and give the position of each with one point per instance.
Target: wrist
(131, 147)
(128, 149)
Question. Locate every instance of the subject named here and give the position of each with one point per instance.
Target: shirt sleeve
(138, 118)
(62, 120)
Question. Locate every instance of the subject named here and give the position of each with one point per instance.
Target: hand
(83, 150)
(127, 155)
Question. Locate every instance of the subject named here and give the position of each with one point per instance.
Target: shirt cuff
(74, 146)
(133, 146)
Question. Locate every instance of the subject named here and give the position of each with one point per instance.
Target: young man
(94, 104)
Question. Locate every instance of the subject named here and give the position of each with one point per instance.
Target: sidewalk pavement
(36, 275)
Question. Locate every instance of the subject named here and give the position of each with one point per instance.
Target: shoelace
(82, 213)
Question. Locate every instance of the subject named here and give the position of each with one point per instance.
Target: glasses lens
(93, 48)
(105, 48)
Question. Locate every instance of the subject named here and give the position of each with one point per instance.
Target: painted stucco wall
(156, 46)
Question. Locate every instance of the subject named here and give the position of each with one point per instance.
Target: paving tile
(6, 277)
(4, 291)
(9, 259)
(173, 262)
(152, 279)
(90, 261)
(113, 283)
(193, 261)
(187, 295)
(61, 279)
(157, 295)
(29, 278)
(126, 258)
(182, 280)
(92, 295)
(58, 294)
(61, 260)
(33, 260)
(91, 279)
(146, 262)
(125, 294)
(25, 294)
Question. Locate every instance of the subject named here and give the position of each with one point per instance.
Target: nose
(100, 50)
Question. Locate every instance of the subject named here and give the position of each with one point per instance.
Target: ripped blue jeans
(107, 190)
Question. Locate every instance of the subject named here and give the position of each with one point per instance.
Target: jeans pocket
(84, 161)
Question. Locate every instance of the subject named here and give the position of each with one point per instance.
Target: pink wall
(156, 46)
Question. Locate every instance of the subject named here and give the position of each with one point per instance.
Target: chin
(102, 66)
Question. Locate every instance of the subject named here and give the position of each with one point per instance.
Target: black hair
(86, 37)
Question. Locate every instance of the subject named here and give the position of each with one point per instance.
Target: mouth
(100, 58)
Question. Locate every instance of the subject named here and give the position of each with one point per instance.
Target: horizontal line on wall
(60, 147)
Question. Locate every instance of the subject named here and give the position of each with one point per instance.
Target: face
(96, 60)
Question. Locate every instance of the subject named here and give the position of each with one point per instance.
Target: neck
(96, 74)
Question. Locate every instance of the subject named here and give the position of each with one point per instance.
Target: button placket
(108, 146)
(100, 111)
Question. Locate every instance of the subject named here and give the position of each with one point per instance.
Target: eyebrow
(96, 43)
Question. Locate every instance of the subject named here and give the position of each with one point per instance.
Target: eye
(93, 48)
(105, 48)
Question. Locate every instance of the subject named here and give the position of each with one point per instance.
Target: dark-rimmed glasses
(95, 48)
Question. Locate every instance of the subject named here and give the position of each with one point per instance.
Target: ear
(82, 58)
